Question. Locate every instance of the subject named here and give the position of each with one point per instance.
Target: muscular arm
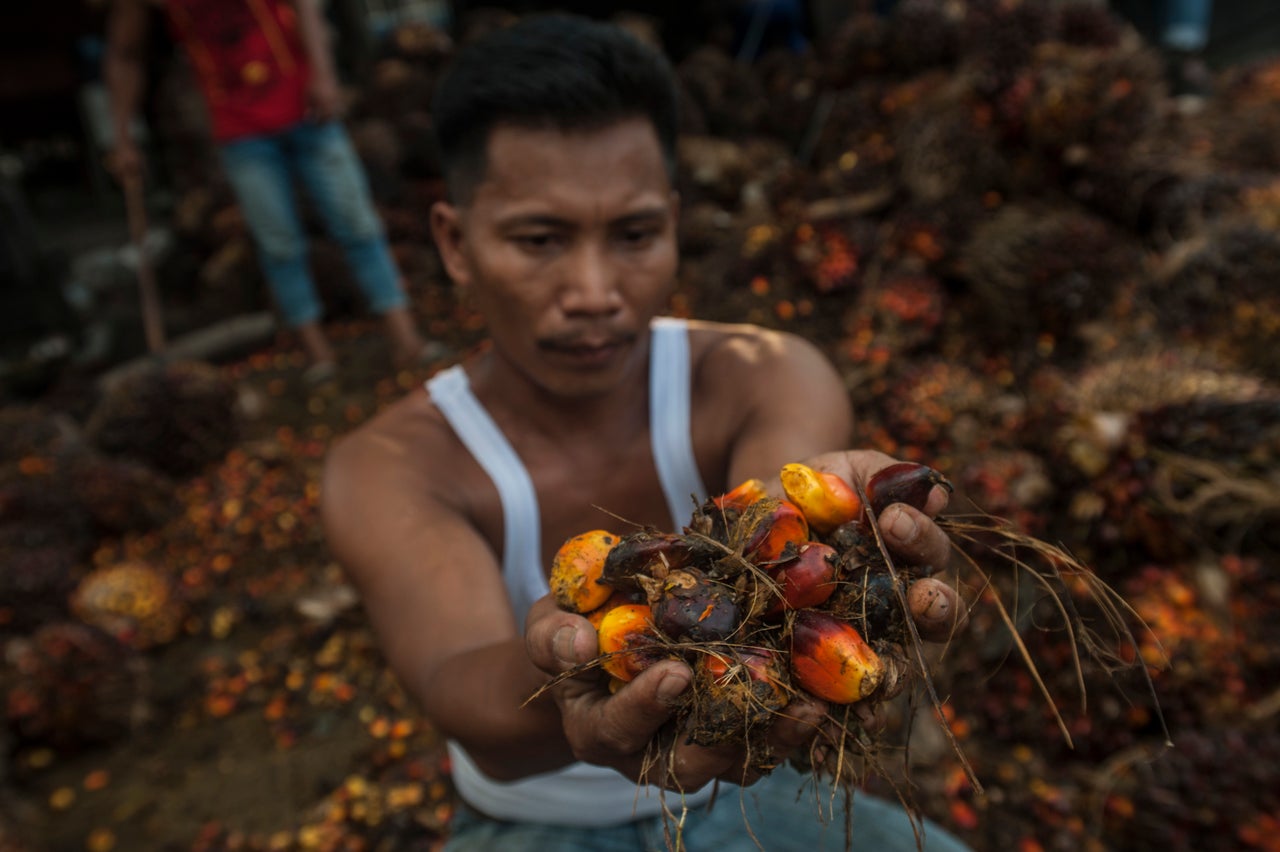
(433, 592)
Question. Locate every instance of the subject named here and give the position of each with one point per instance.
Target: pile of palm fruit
(1038, 273)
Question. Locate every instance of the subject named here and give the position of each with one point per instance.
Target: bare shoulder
(403, 463)
(400, 439)
(761, 398)
(721, 350)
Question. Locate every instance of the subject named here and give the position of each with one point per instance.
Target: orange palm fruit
(741, 497)
(615, 599)
(778, 524)
(577, 569)
(826, 500)
(807, 580)
(627, 641)
(830, 659)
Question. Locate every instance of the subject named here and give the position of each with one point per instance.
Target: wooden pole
(136, 210)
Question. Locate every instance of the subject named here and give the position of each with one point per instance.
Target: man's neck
(521, 405)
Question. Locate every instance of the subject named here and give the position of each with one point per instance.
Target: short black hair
(553, 71)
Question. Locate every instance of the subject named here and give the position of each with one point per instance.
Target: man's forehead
(522, 159)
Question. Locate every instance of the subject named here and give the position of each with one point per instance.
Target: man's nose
(592, 282)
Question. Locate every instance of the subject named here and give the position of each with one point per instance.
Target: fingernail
(671, 686)
(562, 645)
(903, 526)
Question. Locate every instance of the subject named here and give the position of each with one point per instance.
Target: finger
(857, 466)
(556, 640)
(937, 608)
(912, 536)
(626, 721)
(744, 764)
(937, 500)
(796, 725)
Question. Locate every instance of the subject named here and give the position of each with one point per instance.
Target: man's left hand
(913, 539)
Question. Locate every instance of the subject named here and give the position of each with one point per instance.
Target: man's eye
(534, 241)
(639, 236)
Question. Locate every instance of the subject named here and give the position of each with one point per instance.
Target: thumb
(634, 714)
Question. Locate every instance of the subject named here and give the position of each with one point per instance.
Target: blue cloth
(761, 25)
(1186, 24)
(782, 813)
(262, 170)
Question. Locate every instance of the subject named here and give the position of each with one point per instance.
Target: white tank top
(578, 794)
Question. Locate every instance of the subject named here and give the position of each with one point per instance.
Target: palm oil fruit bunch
(765, 598)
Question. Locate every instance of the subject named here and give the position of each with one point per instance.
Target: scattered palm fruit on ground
(133, 601)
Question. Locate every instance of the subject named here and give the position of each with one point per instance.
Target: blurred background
(1040, 240)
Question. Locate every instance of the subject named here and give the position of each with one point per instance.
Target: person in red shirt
(268, 80)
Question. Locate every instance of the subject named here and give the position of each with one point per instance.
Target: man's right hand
(615, 729)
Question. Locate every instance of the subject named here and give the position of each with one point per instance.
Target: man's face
(568, 248)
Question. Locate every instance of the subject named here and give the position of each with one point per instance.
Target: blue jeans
(262, 170)
(782, 813)
(1186, 24)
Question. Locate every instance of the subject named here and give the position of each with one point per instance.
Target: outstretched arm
(432, 589)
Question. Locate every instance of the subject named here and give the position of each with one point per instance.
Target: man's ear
(446, 228)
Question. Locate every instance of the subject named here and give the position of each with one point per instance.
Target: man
(558, 139)
(267, 77)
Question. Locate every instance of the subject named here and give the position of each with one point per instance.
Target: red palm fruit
(778, 526)
(643, 554)
(826, 500)
(807, 580)
(742, 496)
(830, 659)
(691, 607)
(628, 641)
(904, 482)
(577, 571)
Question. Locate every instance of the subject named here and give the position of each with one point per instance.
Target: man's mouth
(587, 349)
